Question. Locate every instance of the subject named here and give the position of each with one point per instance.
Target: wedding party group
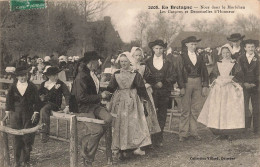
(138, 93)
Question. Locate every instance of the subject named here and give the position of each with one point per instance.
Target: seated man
(51, 92)
(85, 89)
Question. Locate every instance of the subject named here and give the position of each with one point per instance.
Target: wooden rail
(71, 127)
(20, 132)
(173, 113)
(73, 135)
(4, 148)
(4, 152)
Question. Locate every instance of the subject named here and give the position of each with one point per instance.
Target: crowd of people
(37, 65)
(138, 92)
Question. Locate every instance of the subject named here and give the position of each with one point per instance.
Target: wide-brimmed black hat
(235, 37)
(250, 41)
(157, 42)
(24, 57)
(190, 39)
(35, 57)
(51, 71)
(21, 70)
(90, 55)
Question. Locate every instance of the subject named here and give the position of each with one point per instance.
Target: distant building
(101, 37)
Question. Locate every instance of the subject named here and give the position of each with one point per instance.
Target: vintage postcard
(146, 83)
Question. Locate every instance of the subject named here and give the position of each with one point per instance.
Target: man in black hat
(34, 60)
(196, 83)
(22, 61)
(85, 89)
(235, 40)
(51, 92)
(164, 77)
(22, 109)
(249, 62)
(176, 60)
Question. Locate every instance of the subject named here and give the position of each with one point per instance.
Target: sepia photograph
(124, 83)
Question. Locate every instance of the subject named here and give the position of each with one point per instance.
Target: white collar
(191, 53)
(158, 62)
(22, 84)
(49, 84)
(95, 79)
(248, 55)
(21, 87)
(236, 49)
(129, 70)
(156, 57)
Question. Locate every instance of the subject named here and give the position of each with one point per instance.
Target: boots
(44, 137)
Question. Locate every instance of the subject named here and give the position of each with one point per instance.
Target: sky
(123, 12)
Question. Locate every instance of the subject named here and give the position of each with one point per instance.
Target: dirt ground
(242, 151)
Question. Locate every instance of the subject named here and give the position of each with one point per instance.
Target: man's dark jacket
(84, 94)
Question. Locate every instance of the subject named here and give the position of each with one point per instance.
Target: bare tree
(219, 25)
(201, 25)
(253, 23)
(3, 17)
(165, 27)
(88, 9)
(142, 22)
(176, 25)
(244, 24)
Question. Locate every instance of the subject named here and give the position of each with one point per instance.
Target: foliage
(247, 23)
(241, 23)
(60, 28)
(157, 26)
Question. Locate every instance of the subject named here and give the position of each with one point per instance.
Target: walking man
(196, 83)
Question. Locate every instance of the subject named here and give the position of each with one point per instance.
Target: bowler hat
(90, 55)
(157, 42)
(24, 57)
(235, 37)
(250, 41)
(51, 70)
(21, 70)
(35, 57)
(190, 39)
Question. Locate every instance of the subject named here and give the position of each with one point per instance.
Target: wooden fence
(73, 139)
(71, 133)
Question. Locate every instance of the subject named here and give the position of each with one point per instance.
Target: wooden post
(73, 142)
(2, 158)
(67, 129)
(57, 128)
(108, 138)
(4, 147)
